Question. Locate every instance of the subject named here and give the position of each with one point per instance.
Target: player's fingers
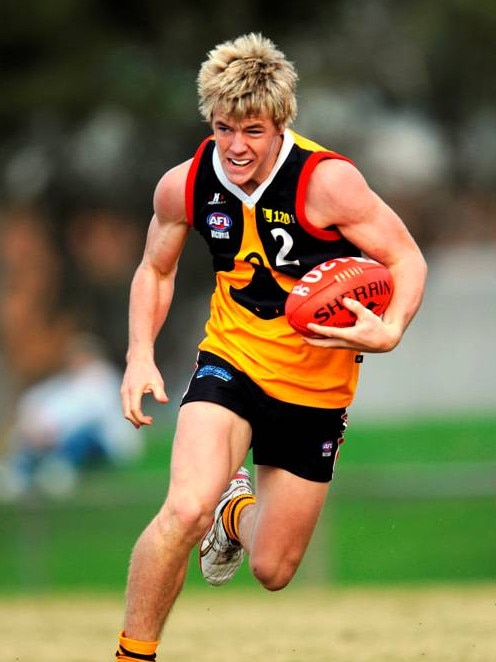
(131, 406)
(351, 304)
(138, 418)
(326, 336)
(355, 307)
(135, 413)
(160, 395)
(126, 409)
(326, 332)
(158, 392)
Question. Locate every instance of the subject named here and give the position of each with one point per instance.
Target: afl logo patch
(219, 222)
(327, 448)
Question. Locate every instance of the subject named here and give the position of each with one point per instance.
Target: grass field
(412, 502)
(404, 558)
(434, 624)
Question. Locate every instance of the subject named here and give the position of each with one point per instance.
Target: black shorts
(303, 440)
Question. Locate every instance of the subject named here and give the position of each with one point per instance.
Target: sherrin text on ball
(318, 295)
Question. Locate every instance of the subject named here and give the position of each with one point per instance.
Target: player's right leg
(211, 443)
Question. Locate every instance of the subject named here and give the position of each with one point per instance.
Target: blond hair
(248, 77)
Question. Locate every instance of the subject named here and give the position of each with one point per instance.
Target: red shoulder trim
(190, 180)
(301, 192)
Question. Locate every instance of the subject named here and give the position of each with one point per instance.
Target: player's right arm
(152, 289)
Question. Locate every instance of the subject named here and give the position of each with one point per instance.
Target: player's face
(247, 149)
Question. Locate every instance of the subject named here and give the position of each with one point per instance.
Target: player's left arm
(339, 195)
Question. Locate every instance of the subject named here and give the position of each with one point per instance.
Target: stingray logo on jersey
(219, 225)
(214, 371)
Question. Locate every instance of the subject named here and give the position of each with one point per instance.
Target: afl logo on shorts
(327, 448)
(219, 225)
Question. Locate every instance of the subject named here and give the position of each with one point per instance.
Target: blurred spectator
(103, 249)
(66, 422)
(32, 322)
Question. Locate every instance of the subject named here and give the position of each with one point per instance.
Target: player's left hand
(369, 334)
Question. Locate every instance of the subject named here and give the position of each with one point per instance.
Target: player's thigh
(288, 508)
(210, 444)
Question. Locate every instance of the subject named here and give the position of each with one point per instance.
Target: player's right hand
(140, 378)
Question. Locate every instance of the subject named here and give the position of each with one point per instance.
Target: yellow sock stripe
(134, 648)
(232, 513)
(123, 655)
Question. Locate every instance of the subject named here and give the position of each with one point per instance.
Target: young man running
(271, 205)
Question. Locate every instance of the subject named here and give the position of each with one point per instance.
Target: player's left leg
(220, 551)
(276, 532)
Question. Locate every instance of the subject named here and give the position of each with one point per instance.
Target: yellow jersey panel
(260, 247)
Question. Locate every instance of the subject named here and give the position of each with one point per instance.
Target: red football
(317, 296)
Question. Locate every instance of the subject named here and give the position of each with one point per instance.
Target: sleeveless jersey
(260, 245)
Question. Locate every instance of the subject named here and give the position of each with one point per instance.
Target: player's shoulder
(338, 180)
(169, 195)
(337, 191)
(174, 178)
(338, 169)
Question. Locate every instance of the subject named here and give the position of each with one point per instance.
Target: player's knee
(188, 518)
(273, 573)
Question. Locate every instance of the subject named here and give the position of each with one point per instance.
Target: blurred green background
(97, 100)
(407, 505)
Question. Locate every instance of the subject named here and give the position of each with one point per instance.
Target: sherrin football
(318, 296)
